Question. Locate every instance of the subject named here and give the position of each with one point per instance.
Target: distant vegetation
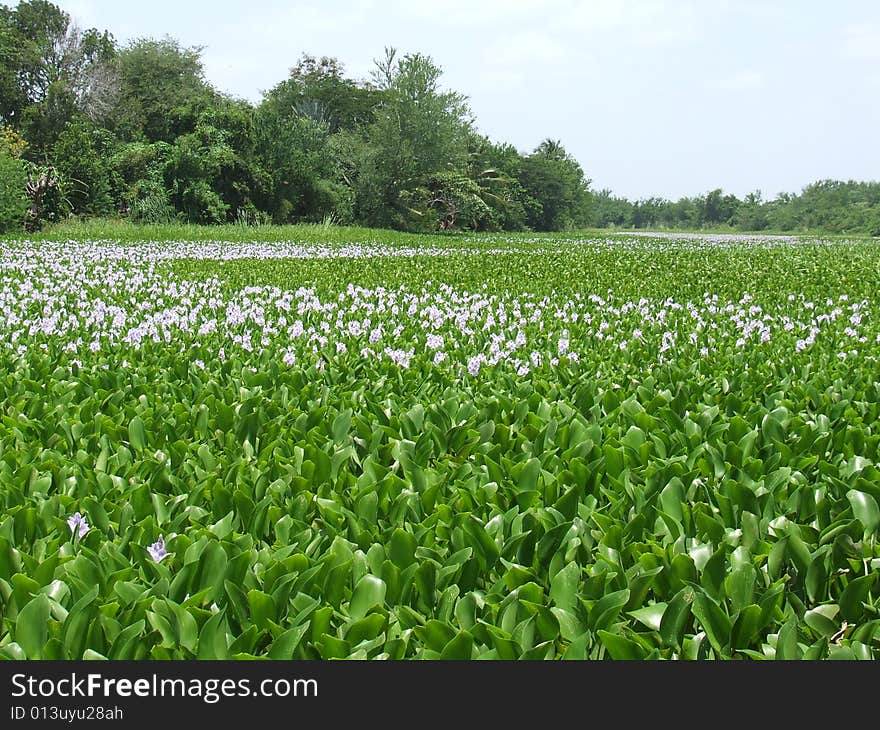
(91, 128)
(829, 206)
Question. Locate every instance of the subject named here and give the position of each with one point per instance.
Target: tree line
(830, 206)
(91, 128)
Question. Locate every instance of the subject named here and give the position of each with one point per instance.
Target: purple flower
(157, 550)
(78, 525)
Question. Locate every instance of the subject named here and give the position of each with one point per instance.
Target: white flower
(157, 550)
(78, 525)
(474, 364)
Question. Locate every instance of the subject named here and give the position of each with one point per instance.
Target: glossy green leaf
(31, 626)
(368, 593)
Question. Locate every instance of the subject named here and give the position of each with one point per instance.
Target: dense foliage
(411, 447)
(831, 206)
(137, 131)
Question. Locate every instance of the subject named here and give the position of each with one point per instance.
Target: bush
(13, 201)
(248, 215)
(81, 155)
(148, 202)
(447, 200)
(202, 205)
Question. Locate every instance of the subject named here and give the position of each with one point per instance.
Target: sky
(653, 97)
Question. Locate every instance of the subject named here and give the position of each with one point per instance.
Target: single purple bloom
(157, 550)
(77, 523)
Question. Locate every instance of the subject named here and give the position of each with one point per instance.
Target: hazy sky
(653, 97)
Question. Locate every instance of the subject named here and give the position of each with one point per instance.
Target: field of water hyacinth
(483, 447)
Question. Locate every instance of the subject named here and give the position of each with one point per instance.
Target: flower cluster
(120, 298)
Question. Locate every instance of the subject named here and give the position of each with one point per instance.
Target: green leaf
(285, 645)
(212, 638)
(816, 580)
(650, 616)
(714, 573)
(341, 425)
(459, 647)
(31, 626)
(368, 593)
(671, 498)
(746, 627)
(528, 476)
(564, 586)
(137, 433)
(481, 541)
(816, 651)
(75, 629)
(714, 621)
(614, 460)
(740, 586)
(619, 647)
(12, 651)
(402, 548)
(569, 626)
(212, 569)
(786, 642)
(606, 610)
(854, 595)
(675, 617)
(577, 649)
(366, 629)
(437, 634)
(262, 608)
(865, 509)
(126, 642)
(821, 620)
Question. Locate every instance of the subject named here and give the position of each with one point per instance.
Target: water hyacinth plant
(78, 525)
(491, 446)
(157, 550)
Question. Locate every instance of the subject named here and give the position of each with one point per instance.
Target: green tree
(52, 71)
(419, 130)
(141, 168)
(751, 214)
(495, 169)
(608, 210)
(82, 155)
(198, 160)
(446, 201)
(318, 89)
(556, 180)
(716, 208)
(13, 201)
(162, 90)
(242, 181)
(294, 151)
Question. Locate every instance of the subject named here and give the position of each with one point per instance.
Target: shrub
(13, 201)
(201, 204)
(81, 155)
(148, 203)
